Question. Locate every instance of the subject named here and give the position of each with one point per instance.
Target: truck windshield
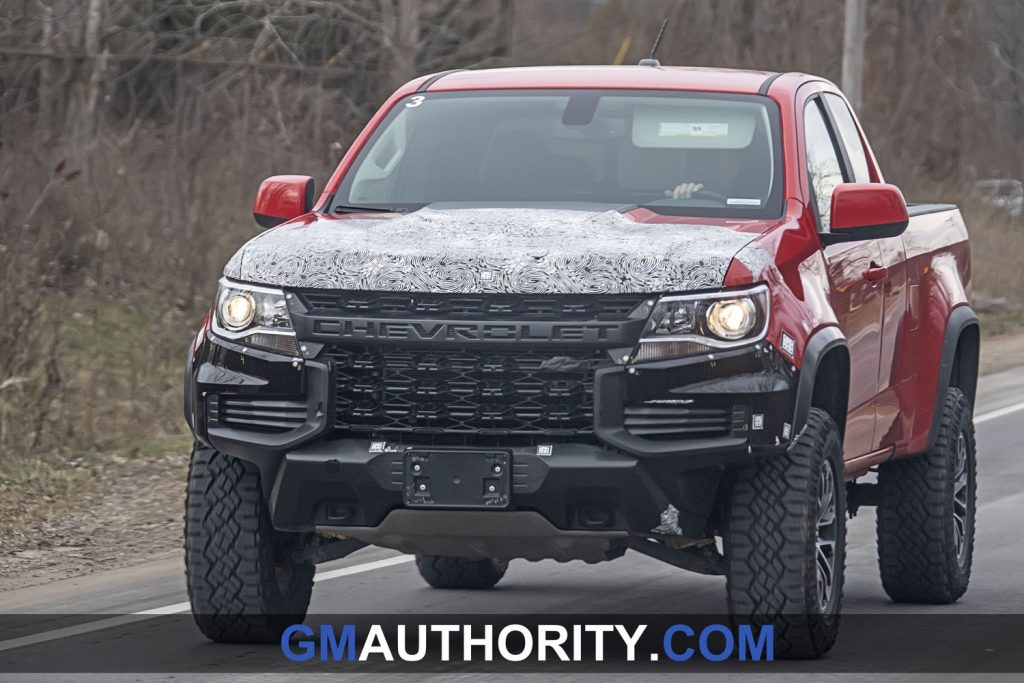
(683, 153)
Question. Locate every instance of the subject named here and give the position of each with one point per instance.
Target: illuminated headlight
(255, 316)
(691, 324)
(732, 319)
(237, 310)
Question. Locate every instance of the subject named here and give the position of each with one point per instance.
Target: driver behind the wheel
(684, 190)
(718, 169)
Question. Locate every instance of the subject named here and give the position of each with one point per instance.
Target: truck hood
(498, 250)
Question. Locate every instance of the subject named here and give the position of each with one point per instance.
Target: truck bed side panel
(938, 274)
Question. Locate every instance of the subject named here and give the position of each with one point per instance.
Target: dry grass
(110, 373)
(997, 257)
(83, 511)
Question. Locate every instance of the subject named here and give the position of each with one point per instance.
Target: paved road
(381, 581)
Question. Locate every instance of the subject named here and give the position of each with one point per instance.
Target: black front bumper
(345, 485)
(641, 461)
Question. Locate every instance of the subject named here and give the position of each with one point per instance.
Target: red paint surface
(855, 205)
(282, 196)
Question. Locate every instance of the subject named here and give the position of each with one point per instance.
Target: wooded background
(134, 133)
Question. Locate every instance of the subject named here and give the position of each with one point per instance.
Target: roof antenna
(651, 61)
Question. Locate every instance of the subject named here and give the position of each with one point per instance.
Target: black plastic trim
(959, 320)
(189, 393)
(266, 222)
(435, 78)
(817, 347)
(766, 86)
(355, 483)
(265, 450)
(318, 412)
(609, 426)
(864, 232)
(837, 140)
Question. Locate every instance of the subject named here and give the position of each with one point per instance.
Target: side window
(850, 138)
(823, 164)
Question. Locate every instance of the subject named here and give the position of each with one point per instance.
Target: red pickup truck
(566, 312)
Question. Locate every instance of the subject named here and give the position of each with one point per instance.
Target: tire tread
(441, 571)
(227, 531)
(768, 541)
(915, 557)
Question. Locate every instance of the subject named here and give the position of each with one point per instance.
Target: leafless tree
(134, 132)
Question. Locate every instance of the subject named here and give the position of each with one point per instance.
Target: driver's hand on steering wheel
(684, 191)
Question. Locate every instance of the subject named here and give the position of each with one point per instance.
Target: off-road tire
(771, 541)
(918, 553)
(243, 581)
(458, 572)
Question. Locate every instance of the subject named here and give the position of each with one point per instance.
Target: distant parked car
(1001, 193)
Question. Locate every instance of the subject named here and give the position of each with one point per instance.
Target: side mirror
(282, 198)
(866, 211)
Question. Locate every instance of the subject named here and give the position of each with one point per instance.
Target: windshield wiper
(366, 209)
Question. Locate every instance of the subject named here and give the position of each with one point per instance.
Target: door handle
(875, 273)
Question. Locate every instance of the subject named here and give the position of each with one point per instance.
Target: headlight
(732, 319)
(698, 323)
(256, 316)
(237, 311)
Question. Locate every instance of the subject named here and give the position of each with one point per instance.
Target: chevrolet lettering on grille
(355, 329)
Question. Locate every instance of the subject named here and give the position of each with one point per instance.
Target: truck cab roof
(701, 79)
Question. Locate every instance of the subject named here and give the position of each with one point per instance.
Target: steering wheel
(698, 194)
(708, 194)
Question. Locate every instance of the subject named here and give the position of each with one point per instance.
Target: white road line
(69, 631)
(1002, 412)
(178, 607)
(360, 568)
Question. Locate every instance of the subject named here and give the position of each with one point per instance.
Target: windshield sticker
(742, 201)
(670, 129)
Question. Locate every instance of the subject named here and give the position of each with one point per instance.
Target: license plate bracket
(457, 479)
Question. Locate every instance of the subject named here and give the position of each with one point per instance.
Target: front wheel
(785, 544)
(244, 581)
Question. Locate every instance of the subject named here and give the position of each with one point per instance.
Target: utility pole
(854, 21)
(400, 21)
(98, 62)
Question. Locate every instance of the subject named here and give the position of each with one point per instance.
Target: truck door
(853, 269)
(892, 279)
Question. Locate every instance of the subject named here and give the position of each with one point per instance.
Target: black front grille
(270, 415)
(684, 422)
(458, 391)
(562, 308)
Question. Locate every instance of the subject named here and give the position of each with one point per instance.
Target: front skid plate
(477, 534)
